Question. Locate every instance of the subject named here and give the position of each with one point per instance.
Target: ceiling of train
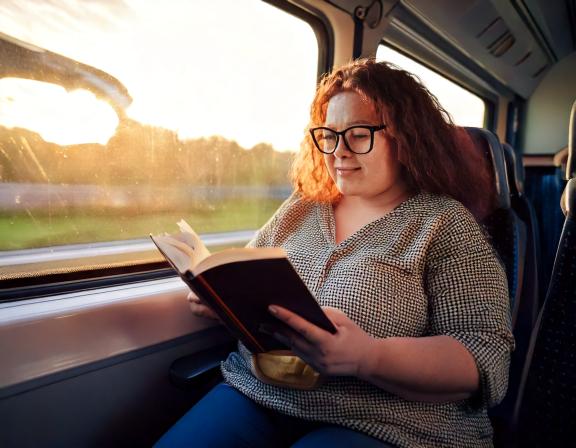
(514, 41)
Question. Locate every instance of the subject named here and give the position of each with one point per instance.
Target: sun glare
(59, 116)
(195, 76)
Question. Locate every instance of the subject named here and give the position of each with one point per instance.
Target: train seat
(501, 224)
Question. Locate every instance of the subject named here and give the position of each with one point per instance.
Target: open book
(240, 284)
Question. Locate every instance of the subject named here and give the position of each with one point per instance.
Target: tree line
(140, 154)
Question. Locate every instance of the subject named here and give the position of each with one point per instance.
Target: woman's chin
(347, 190)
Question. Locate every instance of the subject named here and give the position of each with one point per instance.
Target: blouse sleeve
(468, 299)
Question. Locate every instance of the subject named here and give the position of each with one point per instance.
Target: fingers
(193, 298)
(297, 343)
(334, 314)
(199, 309)
(308, 331)
(203, 311)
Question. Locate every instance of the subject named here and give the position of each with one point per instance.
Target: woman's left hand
(341, 353)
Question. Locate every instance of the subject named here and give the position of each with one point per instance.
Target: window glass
(465, 108)
(119, 118)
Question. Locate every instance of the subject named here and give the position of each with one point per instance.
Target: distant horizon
(183, 140)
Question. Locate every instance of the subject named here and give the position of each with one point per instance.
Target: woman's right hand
(199, 309)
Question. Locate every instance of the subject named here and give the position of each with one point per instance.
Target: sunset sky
(240, 69)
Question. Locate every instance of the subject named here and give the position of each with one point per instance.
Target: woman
(403, 270)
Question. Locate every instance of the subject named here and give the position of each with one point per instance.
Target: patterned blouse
(423, 269)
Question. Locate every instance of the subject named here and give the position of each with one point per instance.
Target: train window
(465, 108)
(208, 105)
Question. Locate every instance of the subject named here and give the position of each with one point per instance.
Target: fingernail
(273, 309)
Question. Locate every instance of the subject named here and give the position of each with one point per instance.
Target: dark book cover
(240, 293)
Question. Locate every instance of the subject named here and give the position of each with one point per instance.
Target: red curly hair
(438, 157)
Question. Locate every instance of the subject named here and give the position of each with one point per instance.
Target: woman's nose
(342, 149)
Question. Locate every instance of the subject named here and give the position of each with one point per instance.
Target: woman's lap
(227, 418)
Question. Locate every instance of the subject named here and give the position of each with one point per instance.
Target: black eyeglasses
(358, 139)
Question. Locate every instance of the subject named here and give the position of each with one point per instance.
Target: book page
(191, 238)
(176, 253)
(235, 255)
(184, 250)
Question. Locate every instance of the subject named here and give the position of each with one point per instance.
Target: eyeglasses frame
(372, 129)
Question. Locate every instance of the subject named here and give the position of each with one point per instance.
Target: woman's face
(376, 174)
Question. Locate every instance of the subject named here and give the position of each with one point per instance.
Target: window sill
(47, 335)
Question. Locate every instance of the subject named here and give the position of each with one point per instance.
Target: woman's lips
(344, 171)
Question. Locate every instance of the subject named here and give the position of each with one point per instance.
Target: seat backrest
(490, 145)
(502, 224)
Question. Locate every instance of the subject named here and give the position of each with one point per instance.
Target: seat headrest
(571, 164)
(514, 170)
(490, 147)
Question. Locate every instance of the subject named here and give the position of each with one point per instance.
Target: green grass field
(41, 229)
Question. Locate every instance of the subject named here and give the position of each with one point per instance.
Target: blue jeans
(227, 418)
